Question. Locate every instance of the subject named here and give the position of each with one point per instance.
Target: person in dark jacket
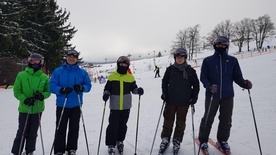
(119, 86)
(180, 88)
(68, 82)
(218, 72)
(31, 88)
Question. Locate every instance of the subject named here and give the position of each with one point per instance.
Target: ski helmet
(221, 40)
(36, 56)
(73, 52)
(123, 59)
(180, 52)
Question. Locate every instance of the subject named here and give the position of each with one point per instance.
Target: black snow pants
(71, 116)
(30, 134)
(225, 107)
(117, 127)
(172, 113)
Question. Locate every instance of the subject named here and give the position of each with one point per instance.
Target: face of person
(35, 61)
(180, 59)
(71, 59)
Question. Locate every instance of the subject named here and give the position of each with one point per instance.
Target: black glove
(78, 88)
(163, 97)
(29, 101)
(193, 101)
(106, 96)
(140, 91)
(66, 90)
(38, 96)
(213, 88)
(247, 84)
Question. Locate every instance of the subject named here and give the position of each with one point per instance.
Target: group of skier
(180, 89)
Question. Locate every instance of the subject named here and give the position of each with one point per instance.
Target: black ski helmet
(221, 40)
(123, 59)
(180, 52)
(36, 56)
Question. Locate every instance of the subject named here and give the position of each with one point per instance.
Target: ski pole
(137, 124)
(59, 121)
(255, 122)
(40, 128)
(24, 130)
(84, 130)
(101, 128)
(193, 126)
(206, 118)
(157, 126)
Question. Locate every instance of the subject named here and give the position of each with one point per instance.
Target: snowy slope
(259, 69)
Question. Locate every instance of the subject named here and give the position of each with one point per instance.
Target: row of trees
(240, 33)
(40, 26)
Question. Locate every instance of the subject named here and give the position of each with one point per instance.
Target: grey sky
(110, 28)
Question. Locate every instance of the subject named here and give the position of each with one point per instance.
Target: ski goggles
(73, 52)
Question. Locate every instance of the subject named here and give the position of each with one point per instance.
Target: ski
(218, 148)
(205, 152)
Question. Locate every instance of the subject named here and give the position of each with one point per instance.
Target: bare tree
(182, 39)
(188, 39)
(194, 39)
(225, 28)
(239, 32)
(262, 29)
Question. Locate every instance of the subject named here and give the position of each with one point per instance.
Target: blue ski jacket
(221, 69)
(67, 76)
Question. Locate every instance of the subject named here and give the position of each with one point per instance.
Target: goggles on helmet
(73, 52)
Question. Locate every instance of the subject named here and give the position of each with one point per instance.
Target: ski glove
(213, 88)
(66, 90)
(78, 88)
(193, 101)
(247, 84)
(29, 101)
(140, 91)
(106, 95)
(38, 96)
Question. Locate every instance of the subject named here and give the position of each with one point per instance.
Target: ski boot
(111, 150)
(72, 152)
(164, 144)
(176, 146)
(120, 147)
(204, 148)
(223, 146)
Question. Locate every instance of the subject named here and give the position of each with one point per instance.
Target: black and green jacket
(120, 87)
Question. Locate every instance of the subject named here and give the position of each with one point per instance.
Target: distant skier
(119, 86)
(157, 71)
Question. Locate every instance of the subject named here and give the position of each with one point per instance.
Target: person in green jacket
(31, 88)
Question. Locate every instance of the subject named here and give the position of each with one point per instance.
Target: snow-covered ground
(261, 70)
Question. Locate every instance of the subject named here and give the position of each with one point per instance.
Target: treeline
(40, 26)
(241, 33)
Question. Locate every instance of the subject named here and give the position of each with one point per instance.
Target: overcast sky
(110, 28)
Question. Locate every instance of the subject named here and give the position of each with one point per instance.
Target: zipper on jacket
(220, 91)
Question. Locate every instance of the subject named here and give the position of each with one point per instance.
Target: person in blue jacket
(68, 82)
(218, 72)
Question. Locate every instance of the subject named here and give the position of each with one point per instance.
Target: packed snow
(257, 67)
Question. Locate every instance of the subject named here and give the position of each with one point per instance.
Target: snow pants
(225, 107)
(29, 134)
(170, 113)
(71, 116)
(117, 127)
